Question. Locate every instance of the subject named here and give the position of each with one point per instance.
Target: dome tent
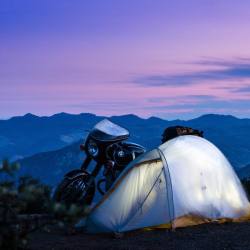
(186, 176)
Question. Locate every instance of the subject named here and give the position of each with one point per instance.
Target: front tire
(75, 189)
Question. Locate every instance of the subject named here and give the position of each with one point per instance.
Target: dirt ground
(206, 236)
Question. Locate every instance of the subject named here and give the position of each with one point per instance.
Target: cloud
(210, 61)
(199, 97)
(182, 98)
(207, 106)
(226, 70)
(242, 90)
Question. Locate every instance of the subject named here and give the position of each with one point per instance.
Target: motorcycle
(106, 145)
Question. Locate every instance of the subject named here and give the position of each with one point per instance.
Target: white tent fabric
(186, 175)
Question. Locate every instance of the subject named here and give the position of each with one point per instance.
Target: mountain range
(48, 146)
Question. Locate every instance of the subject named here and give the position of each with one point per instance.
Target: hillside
(244, 172)
(50, 167)
(49, 145)
(29, 134)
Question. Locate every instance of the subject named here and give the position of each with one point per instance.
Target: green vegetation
(26, 205)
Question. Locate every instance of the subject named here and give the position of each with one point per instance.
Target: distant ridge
(23, 136)
(65, 114)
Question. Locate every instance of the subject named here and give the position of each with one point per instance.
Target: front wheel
(77, 187)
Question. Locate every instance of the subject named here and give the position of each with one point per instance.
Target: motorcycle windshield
(106, 130)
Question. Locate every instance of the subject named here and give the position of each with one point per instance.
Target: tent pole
(169, 187)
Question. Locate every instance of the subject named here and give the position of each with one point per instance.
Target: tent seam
(171, 187)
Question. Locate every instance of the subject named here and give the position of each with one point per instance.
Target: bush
(20, 199)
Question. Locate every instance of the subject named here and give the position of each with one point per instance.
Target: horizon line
(127, 114)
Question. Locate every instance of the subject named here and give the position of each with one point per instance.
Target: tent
(186, 177)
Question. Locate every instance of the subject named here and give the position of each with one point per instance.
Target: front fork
(108, 168)
(86, 163)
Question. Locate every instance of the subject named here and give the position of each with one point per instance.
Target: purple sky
(172, 59)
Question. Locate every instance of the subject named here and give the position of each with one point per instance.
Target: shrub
(20, 199)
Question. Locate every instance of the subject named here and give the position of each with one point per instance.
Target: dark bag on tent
(172, 132)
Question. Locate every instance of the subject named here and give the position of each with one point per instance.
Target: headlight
(121, 153)
(93, 149)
